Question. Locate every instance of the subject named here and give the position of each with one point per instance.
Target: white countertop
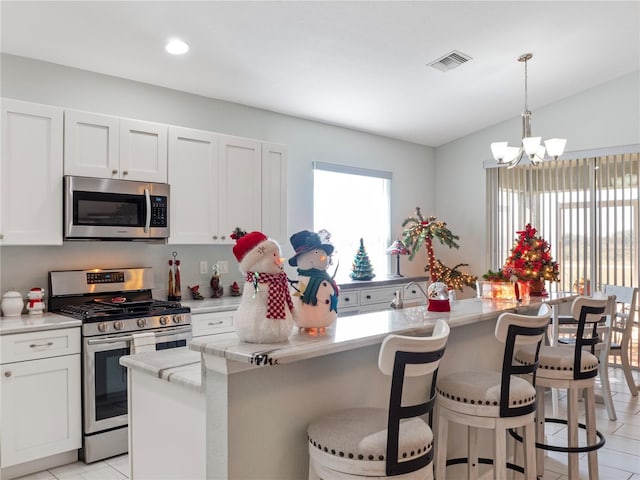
(207, 305)
(34, 323)
(176, 365)
(362, 330)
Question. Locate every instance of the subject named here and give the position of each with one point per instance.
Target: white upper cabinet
(220, 182)
(31, 174)
(274, 192)
(143, 151)
(239, 185)
(110, 147)
(193, 167)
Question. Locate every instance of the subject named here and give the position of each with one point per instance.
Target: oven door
(105, 380)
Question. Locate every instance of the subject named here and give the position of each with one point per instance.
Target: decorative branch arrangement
(420, 230)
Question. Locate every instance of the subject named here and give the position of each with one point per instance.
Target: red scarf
(278, 292)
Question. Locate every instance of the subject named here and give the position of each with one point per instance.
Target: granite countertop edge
(36, 323)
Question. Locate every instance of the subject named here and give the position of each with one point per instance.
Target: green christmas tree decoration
(361, 268)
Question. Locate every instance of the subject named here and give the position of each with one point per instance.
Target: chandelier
(531, 146)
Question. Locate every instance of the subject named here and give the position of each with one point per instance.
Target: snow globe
(438, 297)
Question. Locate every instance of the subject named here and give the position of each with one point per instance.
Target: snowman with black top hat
(315, 298)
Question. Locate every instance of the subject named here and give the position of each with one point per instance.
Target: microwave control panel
(158, 211)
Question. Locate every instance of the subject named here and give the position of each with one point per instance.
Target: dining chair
(622, 329)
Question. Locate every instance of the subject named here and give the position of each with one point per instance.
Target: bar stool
(573, 369)
(494, 400)
(393, 442)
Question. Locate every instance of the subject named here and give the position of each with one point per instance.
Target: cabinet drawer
(378, 295)
(348, 299)
(34, 345)
(414, 293)
(211, 323)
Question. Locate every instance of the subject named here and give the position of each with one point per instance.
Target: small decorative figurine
(215, 282)
(235, 290)
(35, 303)
(195, 294)
(316, 298)
(264, 314)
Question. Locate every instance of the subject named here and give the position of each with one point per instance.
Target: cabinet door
(274, 192)
(31, 174)
(91, 145)
(143, 151)
(239, 186)
(40, 409)
(193, 167)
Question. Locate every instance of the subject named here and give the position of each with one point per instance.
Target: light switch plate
(204, 266)
(223, 266)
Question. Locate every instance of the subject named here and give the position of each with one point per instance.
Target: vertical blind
(586, 208)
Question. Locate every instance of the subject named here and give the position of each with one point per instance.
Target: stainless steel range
(116, 307)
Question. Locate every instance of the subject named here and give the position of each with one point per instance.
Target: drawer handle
(211, 324)
(8, 373)
(114, 171)
(368, 297)
(346, 299)
(36, 345)
(215, 237)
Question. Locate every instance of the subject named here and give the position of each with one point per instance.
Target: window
(353, 203)
(586, 208)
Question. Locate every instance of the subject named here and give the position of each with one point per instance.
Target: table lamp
(397, 248)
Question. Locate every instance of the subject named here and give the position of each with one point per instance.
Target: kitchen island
(260, 398)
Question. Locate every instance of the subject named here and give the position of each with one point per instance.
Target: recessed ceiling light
(176, 47)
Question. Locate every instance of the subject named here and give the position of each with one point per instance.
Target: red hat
(245, 249)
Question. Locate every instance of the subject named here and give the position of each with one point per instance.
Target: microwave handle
(147, 199)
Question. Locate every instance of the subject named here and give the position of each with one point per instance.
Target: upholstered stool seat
(572, 368)
(478, 393)
(361, 434)
(394, 442)
(558, 362)
(495, 400)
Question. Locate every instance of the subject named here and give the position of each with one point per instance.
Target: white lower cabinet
(211, 323)
(40, 395)
(372, 299)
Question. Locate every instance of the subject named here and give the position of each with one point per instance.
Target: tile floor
(619, 459)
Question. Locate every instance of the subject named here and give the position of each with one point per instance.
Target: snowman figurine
(264, 314)
(316, 298)
(35, 302)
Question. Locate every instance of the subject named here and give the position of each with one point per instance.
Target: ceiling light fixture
(511, 156)
(176, 47)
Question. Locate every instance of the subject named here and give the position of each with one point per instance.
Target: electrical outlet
(223, 265)
(204, 266)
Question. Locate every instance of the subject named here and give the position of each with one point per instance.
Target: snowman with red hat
(264, 314)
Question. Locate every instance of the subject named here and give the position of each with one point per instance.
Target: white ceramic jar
(12, 304)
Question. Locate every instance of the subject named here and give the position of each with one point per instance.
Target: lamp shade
(397, 248)
(555, 146)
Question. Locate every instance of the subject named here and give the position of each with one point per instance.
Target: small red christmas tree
(530, 258)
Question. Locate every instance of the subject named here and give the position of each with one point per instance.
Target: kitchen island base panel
(166, 429)
(46, 463)
(257, 419)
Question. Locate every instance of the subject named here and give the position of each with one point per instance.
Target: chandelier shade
(531, 146)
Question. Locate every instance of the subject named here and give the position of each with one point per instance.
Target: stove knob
(103, 327)
(119, 325)
(177, 319)
(142, 322)
(164, 320)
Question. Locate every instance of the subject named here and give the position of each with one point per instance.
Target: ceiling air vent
(450, 61)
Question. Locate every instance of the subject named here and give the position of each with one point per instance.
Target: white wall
(31, 80)
(604, 116)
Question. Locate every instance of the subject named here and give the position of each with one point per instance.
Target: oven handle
(147, 199)
(129, 338)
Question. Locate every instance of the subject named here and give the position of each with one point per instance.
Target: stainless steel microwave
(106, 209)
